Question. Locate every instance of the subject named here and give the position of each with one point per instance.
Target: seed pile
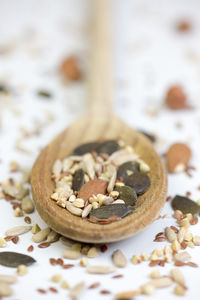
(100, 181)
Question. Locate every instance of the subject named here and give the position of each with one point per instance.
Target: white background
(149, 56)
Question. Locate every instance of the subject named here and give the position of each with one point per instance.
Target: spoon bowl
(86, 129)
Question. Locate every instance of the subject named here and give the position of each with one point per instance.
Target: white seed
(179, 290)
(184, 223)
(27, 205)
(159, 252)
(65, 285)
(92, 253)
(5, 289)
(22, 270)
(144, 256)
(18, 230)
(181, 234)
(113, 177)
(41, 235)
(57, 167)
(176, 245)
(127, 295)
(67, 164)
(118, 201)
(114, 194)
(178, 214)
(147, 289)
(54, 196)
(8, 279)
(88, 162)
(76, 290)
(119, 184)
(183, 256)
(2, 242)
(188, 237)
(79, 203)
(52, 237)
(177, 276)
(56, 278)
(22, 192)
(190, 244)
(86, 210)
(155, 274)
(119, 259)
(196, 240)
(72, 198)
(170, 234)
(83, 262)
(107, 200)
(101, 269)
(161, 282)
(71, 254)
(9, 189)
(135, 260)
(95, 205)
(143, 166)
(72, 209)
(35, 228)
(66, 241)
(18, 212)
(167, 250)
(61, 203)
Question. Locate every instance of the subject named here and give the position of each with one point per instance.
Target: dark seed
(14, 259)
(108, 147)
(126, 167)
(78, 180)
(44, 94)
(185, 205)
(84, 148)
(104, 212)
(150, 136)
(140, 182)
(127, 194)
(44, 245)
(4, 89)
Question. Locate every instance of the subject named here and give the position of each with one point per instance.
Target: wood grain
(90, 128)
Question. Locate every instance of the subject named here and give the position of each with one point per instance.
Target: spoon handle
(99, 77)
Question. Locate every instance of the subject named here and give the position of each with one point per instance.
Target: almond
(93, 187)
(176, 98)
(178, 157)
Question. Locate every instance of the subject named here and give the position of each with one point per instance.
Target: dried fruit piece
(140, 182)
(125, 169)
(78, 180)
(104, 212)
(178, 157)
(176, 98)
(85, 148)
(14, 259)
(93, 187)
(108, 147)
(119, 259)
(185, 205)
(127, 194)
(70, 68)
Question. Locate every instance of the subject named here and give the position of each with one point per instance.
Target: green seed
(104, 212)
(14, 259)
(78, 180)
(124, 169)
(185, 205)
(140, 182)
(44, 94)
(108, 147)
(127, 194)
(85, 148)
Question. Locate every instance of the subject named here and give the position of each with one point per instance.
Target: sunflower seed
(53, 237)
(8, 279)
(170, 234)
(127, 295)
(92, 253)
(57, 167)
(72, 209)
(76, 290)
(161, 282)
(18, 230)
(119, 259)
(27, 205)
(71, 254)
(5, 289)
(14, 259)
(183, 256)
(113, 177)
(177, 276)
(86, 210)
(101, 269)
(41, 235)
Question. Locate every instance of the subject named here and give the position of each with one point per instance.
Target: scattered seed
(105, 292)
(119, 259)
(127, 295)
(101, 269)
(170, 234)
(178, 157)
(2, 242)
(27, 220)
(177, 276)
(18, 230)
(155, 274)
(44, 94)
(94, 285)
(159, 239)
(64, 285)
(194, 221)
(44, 245)
(76, 290)
(41, 235)
(41, 291)
(70, 68)
(179, 290)
(71, 254)
(192, 264)
(53, 290)
(117, 276)
(35, 228)
(22, 270)
(15, 239)
(147, 289)
(9, 279)
(5, 289)
(53, 237)
(185, 205)
(183, 256)
(30, 248)
(27, 205)
(68, 266)
(161, 282)
(92, 253)
(14, 259)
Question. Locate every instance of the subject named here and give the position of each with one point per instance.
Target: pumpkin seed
(44, 94)
(126, 168)
(108, 147)
(127, 194)
(104, 212)
(185, 205)
(140, 182)
(85, 148)
(14, 259)
(78, 180)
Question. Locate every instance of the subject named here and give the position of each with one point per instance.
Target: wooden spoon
(98, 123)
